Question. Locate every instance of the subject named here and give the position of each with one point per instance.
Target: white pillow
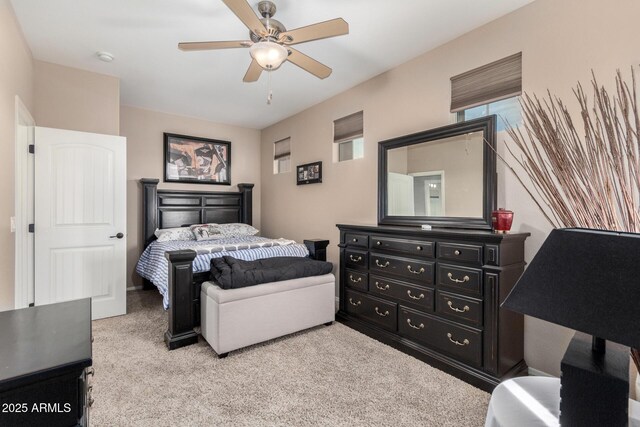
(237, 229)
(206, 232)
(178, 233)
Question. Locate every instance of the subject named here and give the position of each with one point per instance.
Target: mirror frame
(488, 127)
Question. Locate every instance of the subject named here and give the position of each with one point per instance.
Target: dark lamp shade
(587, 280)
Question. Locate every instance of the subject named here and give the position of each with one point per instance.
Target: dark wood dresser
(436, 295)
(45, 359)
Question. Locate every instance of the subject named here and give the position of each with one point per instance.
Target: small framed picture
(196, 160)
(311, 173)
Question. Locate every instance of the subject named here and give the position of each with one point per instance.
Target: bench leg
(328, 323)
(223, 355)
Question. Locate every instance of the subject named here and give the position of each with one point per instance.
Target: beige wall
(16, 78)
(144, 131)
(561, 42)
(69, 98)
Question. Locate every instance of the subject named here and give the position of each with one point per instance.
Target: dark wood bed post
(317, 248)
(246, 194)
(149, 222)
(181, 314)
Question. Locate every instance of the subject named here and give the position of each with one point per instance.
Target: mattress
(154, 267)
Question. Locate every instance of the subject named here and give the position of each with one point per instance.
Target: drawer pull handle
(385, 265)
(355, 259)
(418, 248)
(463, 343)
(385, 314)
(457, 252)
(412, 297)
(90, 399)
(464, 279)
(354, 303)
(411, 270)
(354, 280)
(382, 288)
(354, 240)
(420, 326)
(90, 371)
(378, 243)
(457, 310)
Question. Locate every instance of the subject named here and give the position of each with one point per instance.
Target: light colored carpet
(325, 376)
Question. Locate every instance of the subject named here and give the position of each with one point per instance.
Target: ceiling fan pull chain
(270, 92)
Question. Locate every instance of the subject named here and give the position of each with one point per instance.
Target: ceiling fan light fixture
(269, 55)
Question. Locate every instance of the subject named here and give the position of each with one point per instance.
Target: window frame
(279, 158)
(349, 130)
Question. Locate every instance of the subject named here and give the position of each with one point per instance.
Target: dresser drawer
(356, 240)
(459, 341)
(415, 296)
(459, 308)
(464, 279)
(419, 248)
(460, 252)
(417, 270)
(382, 313)
(357, 280)
(355, 258)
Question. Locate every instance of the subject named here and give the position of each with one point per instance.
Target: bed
(154, 266)
(178, 268)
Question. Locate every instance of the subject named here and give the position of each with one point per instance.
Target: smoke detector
(104, 56)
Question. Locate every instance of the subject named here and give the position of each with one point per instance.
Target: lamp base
(594, 387)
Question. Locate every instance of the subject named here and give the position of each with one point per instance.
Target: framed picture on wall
(311, 173)
(190, 159)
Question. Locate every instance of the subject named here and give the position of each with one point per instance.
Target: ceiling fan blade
(308, 64)
(253, 73)
(214, 45)
(245, 13)
(321, 30)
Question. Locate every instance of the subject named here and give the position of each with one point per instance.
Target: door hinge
(32, 148)
(32, 228)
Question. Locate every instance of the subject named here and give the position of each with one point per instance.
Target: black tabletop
(44, 339)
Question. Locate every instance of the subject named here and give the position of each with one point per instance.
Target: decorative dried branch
(588, 178)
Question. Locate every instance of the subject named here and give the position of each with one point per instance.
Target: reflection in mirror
(438, 178)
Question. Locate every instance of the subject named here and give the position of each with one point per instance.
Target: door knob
(117, 236)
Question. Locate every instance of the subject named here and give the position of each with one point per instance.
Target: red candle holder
(502, 220)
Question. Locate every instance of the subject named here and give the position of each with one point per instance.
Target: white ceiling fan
(270, 42)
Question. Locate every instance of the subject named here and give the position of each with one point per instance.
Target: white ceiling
(143, 36)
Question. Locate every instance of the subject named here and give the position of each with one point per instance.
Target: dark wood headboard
(176, 208)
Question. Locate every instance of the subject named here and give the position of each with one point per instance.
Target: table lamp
(588, 280)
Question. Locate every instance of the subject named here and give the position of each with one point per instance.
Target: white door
(80, 219)
(400, 199)
(24, 212)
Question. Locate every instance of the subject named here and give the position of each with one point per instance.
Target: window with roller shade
(282, 156)
(348, 137)
(491, 89)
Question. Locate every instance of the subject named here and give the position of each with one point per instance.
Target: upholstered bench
(236, 318)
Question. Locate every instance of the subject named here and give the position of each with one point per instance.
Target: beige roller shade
(281, 148)
(492, 82)
(348, 128)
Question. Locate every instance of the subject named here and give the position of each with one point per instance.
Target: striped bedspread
(153, 266)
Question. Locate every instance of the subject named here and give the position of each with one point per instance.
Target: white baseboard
(536, 373)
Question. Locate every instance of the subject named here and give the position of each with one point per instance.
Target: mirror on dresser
(443, 177)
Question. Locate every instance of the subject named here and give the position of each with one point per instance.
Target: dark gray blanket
(232, 273)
